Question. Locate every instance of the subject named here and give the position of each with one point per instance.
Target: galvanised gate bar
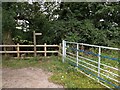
(100, 63)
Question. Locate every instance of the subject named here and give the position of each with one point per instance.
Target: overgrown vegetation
(63, 73)
(93, 23)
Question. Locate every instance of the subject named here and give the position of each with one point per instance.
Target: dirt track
(27, 78)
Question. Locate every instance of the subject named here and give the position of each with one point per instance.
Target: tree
(93, 23)
(98, 22)
(8, 22)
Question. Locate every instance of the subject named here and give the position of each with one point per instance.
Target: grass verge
(63, 73)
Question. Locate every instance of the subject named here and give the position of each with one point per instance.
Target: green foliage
(93, 23)
(90, 28)
(8, 22)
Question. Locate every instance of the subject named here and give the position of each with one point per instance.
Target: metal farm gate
(97, 62)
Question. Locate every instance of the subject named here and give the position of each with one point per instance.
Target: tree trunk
(7, 39)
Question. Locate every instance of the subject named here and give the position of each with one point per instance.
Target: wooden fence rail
(18, 52)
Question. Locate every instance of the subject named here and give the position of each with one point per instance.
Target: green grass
(112, 63)
(63, 73)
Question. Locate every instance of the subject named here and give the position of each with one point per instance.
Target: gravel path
(27, 78)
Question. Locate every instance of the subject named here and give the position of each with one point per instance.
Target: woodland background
(92, 23)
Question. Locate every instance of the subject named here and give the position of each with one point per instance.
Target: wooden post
(59, 52)
(82, 47)
(18, 49)
(34, 39)
(45, 49)
(5, 51)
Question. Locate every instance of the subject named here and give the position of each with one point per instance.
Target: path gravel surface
(27, 78)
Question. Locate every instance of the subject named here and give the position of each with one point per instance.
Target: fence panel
(18, 52)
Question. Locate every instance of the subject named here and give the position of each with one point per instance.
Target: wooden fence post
(59, 52)
(5, 51)
(45, 49)
(34, 39)
(18, 49)
(82, 47)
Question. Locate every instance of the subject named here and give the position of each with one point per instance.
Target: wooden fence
(18, 51)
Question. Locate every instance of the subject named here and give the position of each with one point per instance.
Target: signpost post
(34, 39)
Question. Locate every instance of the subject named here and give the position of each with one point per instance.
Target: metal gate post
(64, 51)
(77, 54)
(99, 59)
